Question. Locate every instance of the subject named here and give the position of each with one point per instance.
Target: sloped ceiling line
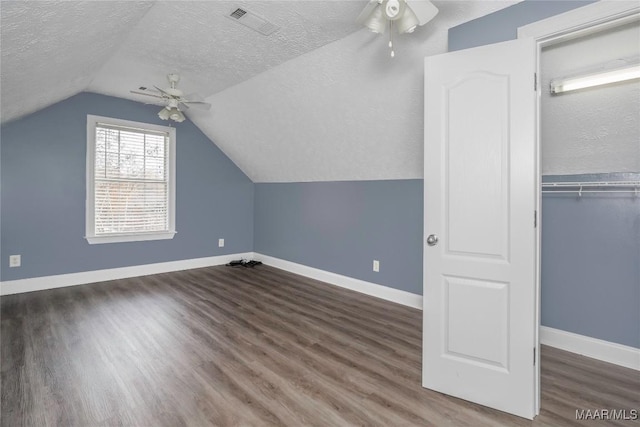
(319, 99)
(52, 50)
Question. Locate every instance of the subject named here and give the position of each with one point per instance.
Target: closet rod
(630, 187)
(590, 191)
(591, 184)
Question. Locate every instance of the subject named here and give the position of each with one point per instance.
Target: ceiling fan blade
(182, 103)
(165, 93)
(425, 10)
(193, 97)
(137, 92)
(198, 104)
(366, 12)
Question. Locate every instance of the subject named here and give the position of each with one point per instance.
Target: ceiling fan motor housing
(173, 78)
(174, 92)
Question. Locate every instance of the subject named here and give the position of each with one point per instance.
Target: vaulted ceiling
(319, 99)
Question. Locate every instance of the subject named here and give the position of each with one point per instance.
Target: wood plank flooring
(225, 346)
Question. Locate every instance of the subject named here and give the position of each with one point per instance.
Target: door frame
(565, 26)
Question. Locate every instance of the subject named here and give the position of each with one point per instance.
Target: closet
(590, 164)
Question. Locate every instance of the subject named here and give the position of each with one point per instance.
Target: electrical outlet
(376, 265)
(221, 243)
(15, 260)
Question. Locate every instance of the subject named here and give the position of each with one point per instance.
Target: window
(130, 181)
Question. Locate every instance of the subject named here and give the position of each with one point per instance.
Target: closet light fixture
(402, 15)
(620, 74)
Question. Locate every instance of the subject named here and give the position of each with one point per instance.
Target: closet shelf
(592, 187)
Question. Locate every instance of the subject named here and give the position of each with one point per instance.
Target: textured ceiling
(345, 111)
(317, 100)
(52, 50)
(212, 52)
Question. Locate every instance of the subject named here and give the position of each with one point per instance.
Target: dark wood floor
(249, 347)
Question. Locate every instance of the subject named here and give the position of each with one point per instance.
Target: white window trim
(90, 201)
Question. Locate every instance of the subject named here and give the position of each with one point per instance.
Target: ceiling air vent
(252, 21)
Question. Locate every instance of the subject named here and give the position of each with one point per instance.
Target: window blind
(131, 185)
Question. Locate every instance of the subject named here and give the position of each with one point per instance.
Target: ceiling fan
(173, 99)
(403, 16)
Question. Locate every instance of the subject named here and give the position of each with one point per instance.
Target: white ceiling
(345, 111)
(317, 100)
(52, 50)
(212, 52)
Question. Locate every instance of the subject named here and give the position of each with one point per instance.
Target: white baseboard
(82, 278)
(390, 294)
(618, 354)
(606, 351)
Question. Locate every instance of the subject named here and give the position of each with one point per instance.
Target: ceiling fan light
(408, 14)
(408, 22)
(376, 22)
(164, 114)
(176, 116)
(394, 9)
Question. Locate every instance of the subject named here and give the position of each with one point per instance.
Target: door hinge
(535, 82)
(535, 219)
(534, 356)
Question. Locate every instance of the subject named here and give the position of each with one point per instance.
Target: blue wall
(43, 177)
(343, 226)
(591, 262)
(503, 24)
(590, 275)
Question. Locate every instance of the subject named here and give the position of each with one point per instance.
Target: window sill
(119, 238)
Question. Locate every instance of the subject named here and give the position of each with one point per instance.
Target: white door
(480, 183)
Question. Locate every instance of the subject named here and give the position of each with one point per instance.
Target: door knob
(432, 240)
